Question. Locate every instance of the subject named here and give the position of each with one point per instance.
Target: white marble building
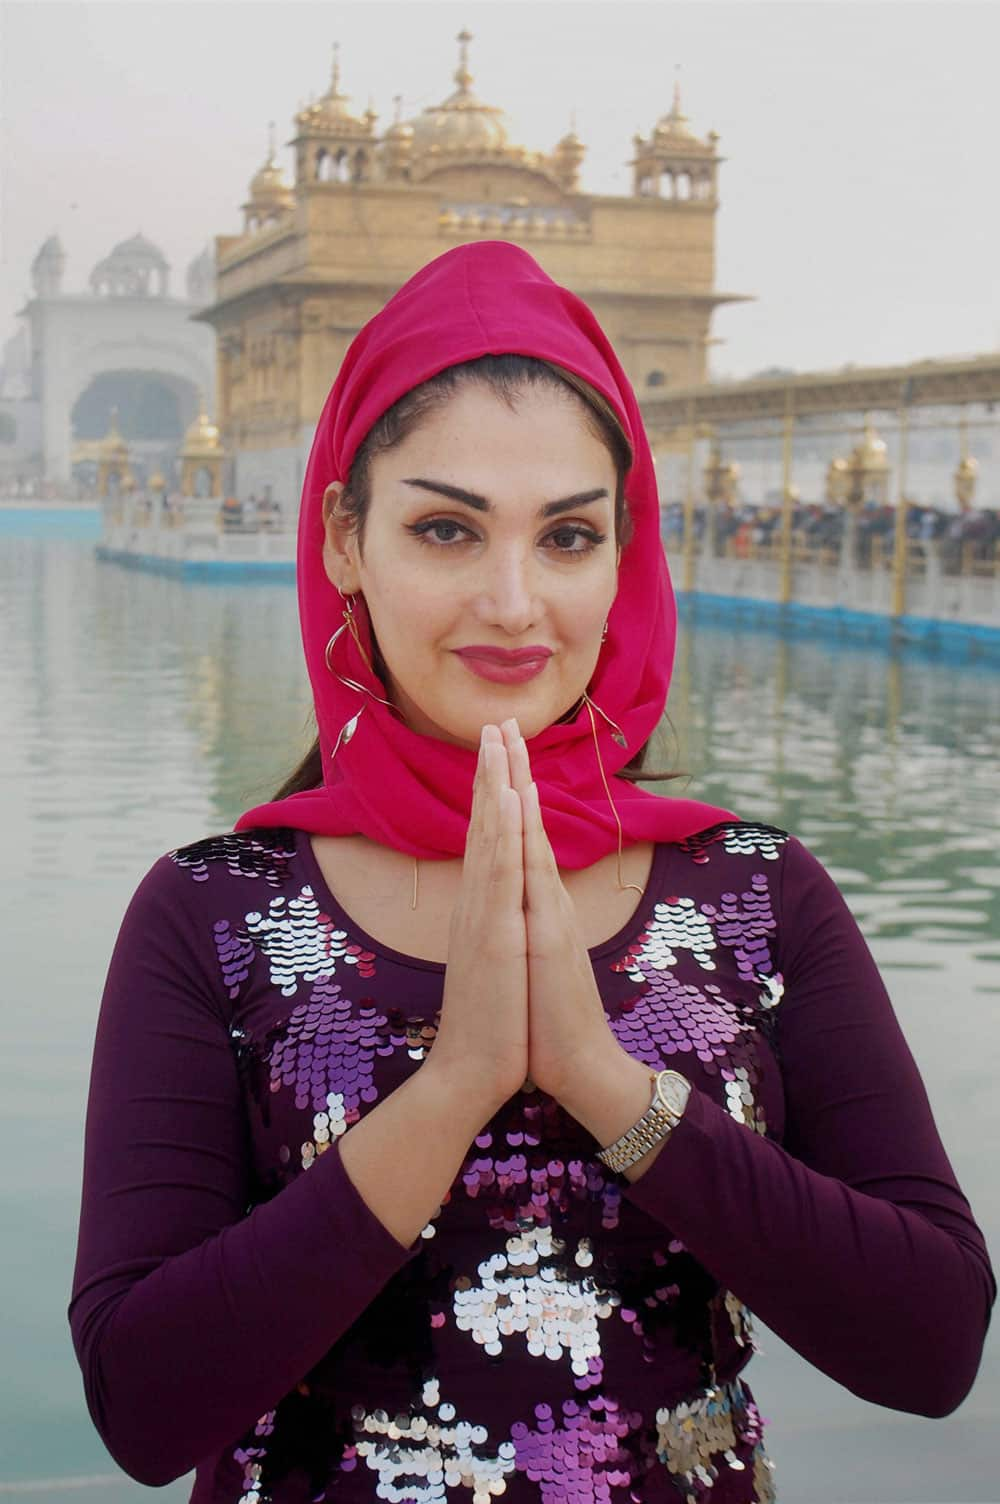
(126, 328)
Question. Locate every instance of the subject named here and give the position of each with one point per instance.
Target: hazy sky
(859, 194)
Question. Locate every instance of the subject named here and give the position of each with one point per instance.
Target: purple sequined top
(555, 1334)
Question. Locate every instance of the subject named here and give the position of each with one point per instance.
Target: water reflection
(141, 713)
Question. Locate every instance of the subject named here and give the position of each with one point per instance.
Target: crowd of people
(960, 539)
(255, 514)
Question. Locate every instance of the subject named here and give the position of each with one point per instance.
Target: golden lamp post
(202, 457)
(721, 485)
(860, 480)
(114, 474)
(966, 472)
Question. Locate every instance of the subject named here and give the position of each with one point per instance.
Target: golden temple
(317, 257)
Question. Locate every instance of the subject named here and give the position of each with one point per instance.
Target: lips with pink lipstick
(503, 666)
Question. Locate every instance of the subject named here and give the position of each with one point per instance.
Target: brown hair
(507, 377)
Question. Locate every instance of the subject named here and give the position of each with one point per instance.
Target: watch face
(674, 1090)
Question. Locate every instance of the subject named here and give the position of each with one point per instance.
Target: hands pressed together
(520, 999)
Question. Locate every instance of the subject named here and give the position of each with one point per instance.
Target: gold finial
(271, 142)
(335, 76)
(677, 117)
(462, 76)
(397, 118)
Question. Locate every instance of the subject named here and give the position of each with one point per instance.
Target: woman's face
(489, 527)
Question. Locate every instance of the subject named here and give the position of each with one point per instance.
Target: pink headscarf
(414, 792)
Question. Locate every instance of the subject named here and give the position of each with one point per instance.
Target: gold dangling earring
(349, 727)
(352, 627)
(591, 707)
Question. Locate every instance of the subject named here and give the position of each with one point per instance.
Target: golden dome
(268, 186)
(463, 123)
(871, 453)
(400, 129)
(570, 144)
(332, 114)
(112, 446)
(202, 438)
(676, 123)
(157, 481)
(672, 133)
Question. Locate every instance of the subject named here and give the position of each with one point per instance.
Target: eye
(576, 540)
(436, 525)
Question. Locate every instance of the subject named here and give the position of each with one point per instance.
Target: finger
(496, 778)
(481, 834)
(496, 892)
(541, 871)
(517, 754)
(508, 865)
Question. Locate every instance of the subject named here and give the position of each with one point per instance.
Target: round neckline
(330, 904)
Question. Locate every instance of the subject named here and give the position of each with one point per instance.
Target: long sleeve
(190, 1318)
(852, 1239)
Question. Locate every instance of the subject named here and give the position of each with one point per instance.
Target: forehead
(541, 429)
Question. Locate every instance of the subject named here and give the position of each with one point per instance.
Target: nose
(509, 597)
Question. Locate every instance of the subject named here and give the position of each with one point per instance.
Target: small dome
(463, 123)
(112, 446)
(570, 145)
(400, 130)
(672, 134)
(871, 453)
(332, 112)
(268, 185)
(202, 438)
(129, 270)
(138, 251)
(676, 123)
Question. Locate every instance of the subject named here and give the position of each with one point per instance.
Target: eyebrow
(481, 504)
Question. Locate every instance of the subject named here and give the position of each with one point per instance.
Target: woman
(578, 1074)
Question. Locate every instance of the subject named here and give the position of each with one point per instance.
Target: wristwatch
(670, 1097)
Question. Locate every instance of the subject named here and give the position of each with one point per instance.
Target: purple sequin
(522, 1268)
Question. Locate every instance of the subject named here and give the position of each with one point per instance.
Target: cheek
(408, 607)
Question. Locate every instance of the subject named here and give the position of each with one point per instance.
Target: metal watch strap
(656, 1124)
